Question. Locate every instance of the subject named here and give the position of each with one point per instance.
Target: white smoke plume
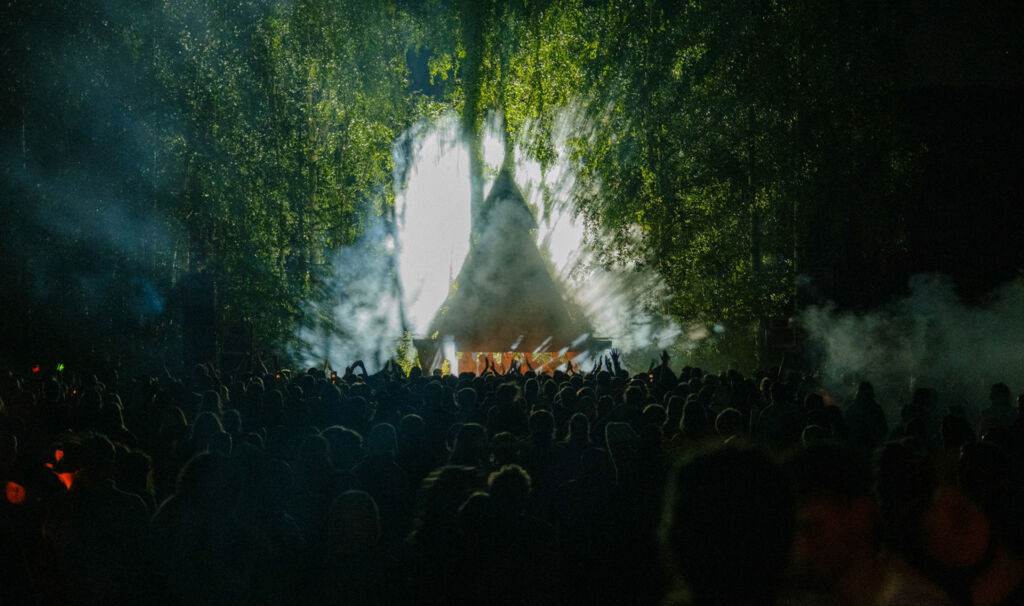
(398, 274)
(928, 339)
(357, 316)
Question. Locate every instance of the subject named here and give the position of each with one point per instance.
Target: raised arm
(616, 367)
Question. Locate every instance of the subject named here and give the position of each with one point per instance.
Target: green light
(60, 367)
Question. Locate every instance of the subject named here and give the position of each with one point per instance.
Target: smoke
(357, 315)
(928, 339)
(80, 183)
(75, 208)
(622, 300)
(80, 244)
(432, 215)
(400, 273)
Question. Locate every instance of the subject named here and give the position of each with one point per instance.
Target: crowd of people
(588, 486)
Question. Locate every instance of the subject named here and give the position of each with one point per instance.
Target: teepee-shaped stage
(504, 300)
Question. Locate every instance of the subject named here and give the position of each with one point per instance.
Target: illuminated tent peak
(504, 298)
(505, 208)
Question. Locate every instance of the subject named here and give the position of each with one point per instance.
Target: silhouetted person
(921, 419)
(673, 415)
(544, 459)
(316, 483)
(470, 448)
(435, 531)
(999, 414)
(469, 407)
(271, 487)
(728, 526)
(386, 482)
(989, 476)
(694, 425)
(621, 441)
(1016, 432)
(835, 548)
(95, 532)
(577, 440)
(346, 447)
(206, 425)
(20, 513)
(780, 423)
(907, 489)
(729, 425)
(956, 433)
(133, 473)
(438, 412)
(505, 450)
(416, 456)
(204, 554)
(521, 562)
(356, 570)
(587, 513)
(629, 410)
(508, 413)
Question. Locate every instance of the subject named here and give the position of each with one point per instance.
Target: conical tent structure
(504, 298)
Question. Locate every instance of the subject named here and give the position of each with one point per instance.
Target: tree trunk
(473, 40)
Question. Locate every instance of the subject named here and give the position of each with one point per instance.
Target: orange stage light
(15, 493)
(66, 479)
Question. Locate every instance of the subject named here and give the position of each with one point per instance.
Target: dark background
(964, 100)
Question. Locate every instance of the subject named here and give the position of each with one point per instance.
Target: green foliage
(745, 143)
(256, 137)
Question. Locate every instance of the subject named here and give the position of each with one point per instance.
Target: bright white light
(493, 143)
(434, 226)
(432, 230)
(450, 355)
(561, 232)
(433, 221)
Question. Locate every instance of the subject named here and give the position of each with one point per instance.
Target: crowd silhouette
(579, 487)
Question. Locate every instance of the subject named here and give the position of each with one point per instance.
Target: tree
(746, 145)
(740, 139)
